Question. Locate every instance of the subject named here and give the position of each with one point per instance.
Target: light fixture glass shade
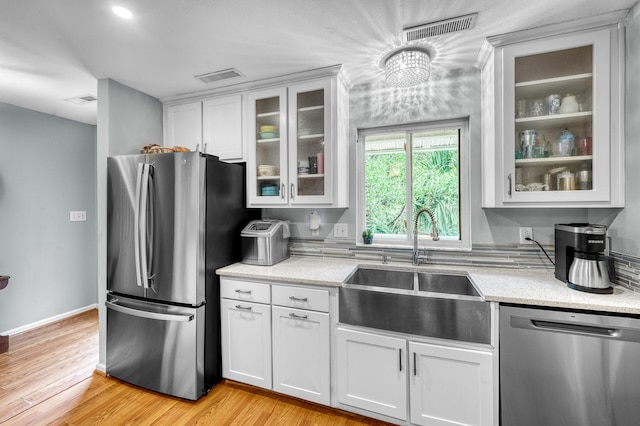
(407, 67)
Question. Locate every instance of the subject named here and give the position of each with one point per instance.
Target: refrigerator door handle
(149, 315)
(144, 197)
(136, 224)
(149, 236)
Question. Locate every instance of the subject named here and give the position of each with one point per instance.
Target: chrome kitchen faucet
(434, 232)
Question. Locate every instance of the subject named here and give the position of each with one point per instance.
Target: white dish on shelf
(267, 170)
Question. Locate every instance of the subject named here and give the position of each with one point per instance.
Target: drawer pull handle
(298, 299)
(292, 315)
(246, 308)
(243, 291)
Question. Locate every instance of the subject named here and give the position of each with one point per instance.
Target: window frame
(424, 240)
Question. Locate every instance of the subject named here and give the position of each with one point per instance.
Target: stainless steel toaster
(265, 242)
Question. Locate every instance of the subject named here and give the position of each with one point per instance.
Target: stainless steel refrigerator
(172, 220)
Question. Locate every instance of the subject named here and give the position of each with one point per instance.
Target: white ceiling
(51, 50)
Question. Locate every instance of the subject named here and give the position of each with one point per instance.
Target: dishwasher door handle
(583, 329)
(627, 333)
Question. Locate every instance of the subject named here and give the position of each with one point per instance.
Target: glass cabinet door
(309, 148)
(556, 119)
(268, 173)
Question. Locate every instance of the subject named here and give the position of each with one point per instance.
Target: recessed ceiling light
(122, 12)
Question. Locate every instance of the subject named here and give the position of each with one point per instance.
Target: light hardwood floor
(48, 378)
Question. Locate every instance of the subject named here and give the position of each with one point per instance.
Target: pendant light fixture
(407, 67)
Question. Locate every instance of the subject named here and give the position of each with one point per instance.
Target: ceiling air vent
(219, 75)
(82, 99)
(446, 26)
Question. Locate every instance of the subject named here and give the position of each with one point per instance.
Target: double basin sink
(430, 304)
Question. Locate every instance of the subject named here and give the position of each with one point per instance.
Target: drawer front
(300, 297)
(248, 291)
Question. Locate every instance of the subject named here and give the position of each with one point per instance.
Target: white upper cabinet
(212, 126)
(222, 127)
(552, 118)
(297, 143)
(183, 125)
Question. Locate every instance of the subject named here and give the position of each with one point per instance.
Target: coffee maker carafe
(580, 260)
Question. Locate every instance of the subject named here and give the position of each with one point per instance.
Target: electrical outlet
(526, 232)
(340, 230)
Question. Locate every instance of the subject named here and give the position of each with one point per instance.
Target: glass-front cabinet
(295, 137)
(268, 173)
(310, 118)
(556, 140)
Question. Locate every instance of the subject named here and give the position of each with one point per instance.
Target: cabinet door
(450, 386)
(222, 127)
(557, 129)
(246, 342)
(301, 356)
(372, 372)
(267, 168)
(183, 126)
(310, 145)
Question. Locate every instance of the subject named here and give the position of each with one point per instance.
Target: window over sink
(404, 168)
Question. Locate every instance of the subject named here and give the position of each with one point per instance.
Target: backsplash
(627, 268)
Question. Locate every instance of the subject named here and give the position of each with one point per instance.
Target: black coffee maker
(580, 260)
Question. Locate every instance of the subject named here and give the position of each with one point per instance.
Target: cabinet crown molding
(330, 71)
(616, 18)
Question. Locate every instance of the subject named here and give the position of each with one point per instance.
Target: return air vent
(219, 75)
(82, 99)
(446, 26)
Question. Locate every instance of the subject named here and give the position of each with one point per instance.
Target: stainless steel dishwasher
(568, 368)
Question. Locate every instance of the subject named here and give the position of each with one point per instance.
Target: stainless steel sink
(441, 305)
(385, 278)
(446, 283)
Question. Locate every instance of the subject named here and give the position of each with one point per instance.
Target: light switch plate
(340, 230)
(78, 216)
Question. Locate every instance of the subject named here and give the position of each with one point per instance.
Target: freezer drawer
(156, 346)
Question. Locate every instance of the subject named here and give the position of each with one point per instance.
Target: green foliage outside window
(435, 184)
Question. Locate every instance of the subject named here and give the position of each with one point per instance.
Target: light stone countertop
(537, 287)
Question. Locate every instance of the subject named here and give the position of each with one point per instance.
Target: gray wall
(127, 120)
(452, 95)
(625, 229)
(47, 169)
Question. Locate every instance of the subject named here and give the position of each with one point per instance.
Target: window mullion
(409, 184)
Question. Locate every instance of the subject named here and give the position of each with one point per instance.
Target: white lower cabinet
(301, 357)
(450, 386)
(246, 342)
(371, 372)
(437, 385)
(277, 337)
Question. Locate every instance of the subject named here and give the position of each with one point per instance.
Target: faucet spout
(434, 233)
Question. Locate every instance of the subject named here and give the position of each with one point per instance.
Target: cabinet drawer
(299, 297)
(248, 291)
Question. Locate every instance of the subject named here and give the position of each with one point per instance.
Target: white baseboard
(101, 367)
(49, 320)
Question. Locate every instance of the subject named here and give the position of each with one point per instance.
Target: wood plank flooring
(48, 378)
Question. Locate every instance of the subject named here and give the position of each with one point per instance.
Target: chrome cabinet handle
(246, 308)
(282, 195)
(415, 367)
(298, 299)
(243, 291)
(293, 194)
(292, 315)
(509, 190)
(400, 358)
